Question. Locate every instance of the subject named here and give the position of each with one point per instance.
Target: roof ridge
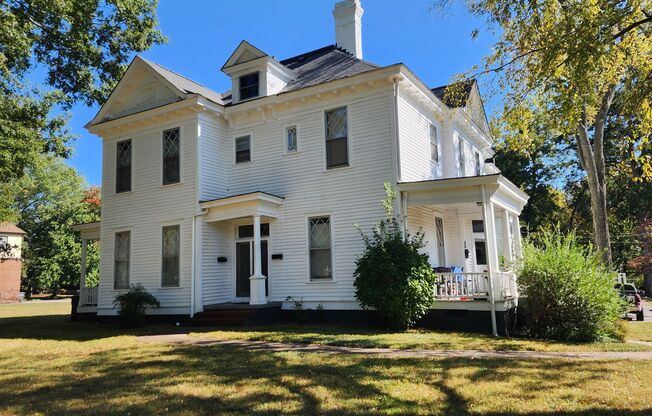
(178, 74)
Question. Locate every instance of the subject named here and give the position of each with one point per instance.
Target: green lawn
(49, 365)
(422, 339)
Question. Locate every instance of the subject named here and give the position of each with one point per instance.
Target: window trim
(440, 263)
(258, 94)
(160, 250)
(235, 149)
(309, 278)
(348, 139)
(115, 233)
(437, 143)
(131, 166)
(285, 139)
(461, 157)
(163, 157)
(477, 163)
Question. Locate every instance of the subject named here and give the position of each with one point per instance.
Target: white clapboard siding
(352, 196)
(145, 210)
(423, 219)
(414, 127)
(217, 278)
(214, 158)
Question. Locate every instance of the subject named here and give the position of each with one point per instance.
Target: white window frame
(115, 232)
(461, 157)
(307, 219)
(160, 250)
(260, 82)
(477, 164)
(115, 166)
(251, 149)
(348, 139)
(180, 156)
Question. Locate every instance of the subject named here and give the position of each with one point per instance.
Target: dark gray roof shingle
(455, 98)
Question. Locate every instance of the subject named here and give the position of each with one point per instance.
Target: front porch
(88, 293)
(472, 234)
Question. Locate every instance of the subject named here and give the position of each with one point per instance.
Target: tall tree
(84, 46)
(564, 60)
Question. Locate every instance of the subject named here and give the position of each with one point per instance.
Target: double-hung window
(337, 136)
(291, 144)
(478, 165)
(441, 249)
(460, 157)
(434, 144)
(171, 161)
(243, 149)
(123, 166)
(121, 260)
(170, 256)
(320, 248)
(249, 86)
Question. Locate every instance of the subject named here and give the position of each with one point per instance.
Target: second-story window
(460, 157)
(243, 149)
(478, 165)
(249, 86)
(171, 145)
(123, 166)
(434, 144)
(291, 139)
(337, 136)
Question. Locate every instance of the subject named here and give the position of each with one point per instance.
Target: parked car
(633, 297)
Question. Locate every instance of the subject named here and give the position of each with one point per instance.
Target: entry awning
(464, 190)
(88, 231)
(243, 205)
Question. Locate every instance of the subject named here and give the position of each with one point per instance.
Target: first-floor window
(480, 253)
(121, 263)
(441, 251)
(320, 248)
(170, 260)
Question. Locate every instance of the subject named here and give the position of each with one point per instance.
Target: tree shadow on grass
(155, 379)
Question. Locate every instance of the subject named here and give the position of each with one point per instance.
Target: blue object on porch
(457, 269)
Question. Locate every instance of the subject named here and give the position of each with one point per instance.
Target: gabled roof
(460, 98)
(10, 228)
(323, 65)
(243, 53)
(184, 84)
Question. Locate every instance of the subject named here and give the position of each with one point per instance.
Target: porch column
(492, 251)
(507, 239)
(82, 278)
(257, 294)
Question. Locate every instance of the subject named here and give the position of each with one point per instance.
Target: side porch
(88, 292)
(472, 233)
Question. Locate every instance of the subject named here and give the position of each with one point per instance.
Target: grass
(413, 339)
(51, 366)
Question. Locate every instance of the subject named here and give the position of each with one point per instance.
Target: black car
(633, 297)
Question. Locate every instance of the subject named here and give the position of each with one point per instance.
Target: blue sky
(202, 35)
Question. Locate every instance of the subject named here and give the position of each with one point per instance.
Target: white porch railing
(88, 296)
(470, 286)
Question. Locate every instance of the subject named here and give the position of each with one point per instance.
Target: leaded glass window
(171, 152)
(121, 260)
(434, 144)
(337, 148)
(170, 258)
(320, 248)
(291, 137)
(123, 166)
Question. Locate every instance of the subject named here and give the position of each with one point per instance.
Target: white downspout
(193, 261)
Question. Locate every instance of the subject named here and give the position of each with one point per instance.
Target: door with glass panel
(244, 253)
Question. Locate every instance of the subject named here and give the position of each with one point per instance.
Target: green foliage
(133, 304)
(391, 275)
(566, 292)
(49, 199)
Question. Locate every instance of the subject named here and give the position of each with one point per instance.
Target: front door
(245, 266)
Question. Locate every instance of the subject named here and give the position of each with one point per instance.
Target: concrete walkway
(185, 339)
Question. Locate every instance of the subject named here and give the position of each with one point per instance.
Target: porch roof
(465, 189)
(242, 205)
(89, 230)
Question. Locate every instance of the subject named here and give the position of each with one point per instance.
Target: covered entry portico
(256, 209)
(475, 238)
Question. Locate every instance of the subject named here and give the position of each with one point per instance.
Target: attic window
(249, 86)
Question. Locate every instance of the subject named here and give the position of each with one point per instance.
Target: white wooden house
(254, 195)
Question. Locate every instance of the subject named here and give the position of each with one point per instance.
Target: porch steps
(235, 314)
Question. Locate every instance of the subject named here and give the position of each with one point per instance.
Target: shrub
(391, 275)
(566, 292)
(133, 304)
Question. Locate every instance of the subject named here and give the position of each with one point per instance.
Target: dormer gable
(255, 74)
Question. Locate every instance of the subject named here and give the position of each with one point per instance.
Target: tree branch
(598, 135)
(633, 26)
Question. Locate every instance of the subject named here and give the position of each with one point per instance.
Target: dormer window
(249, 86)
